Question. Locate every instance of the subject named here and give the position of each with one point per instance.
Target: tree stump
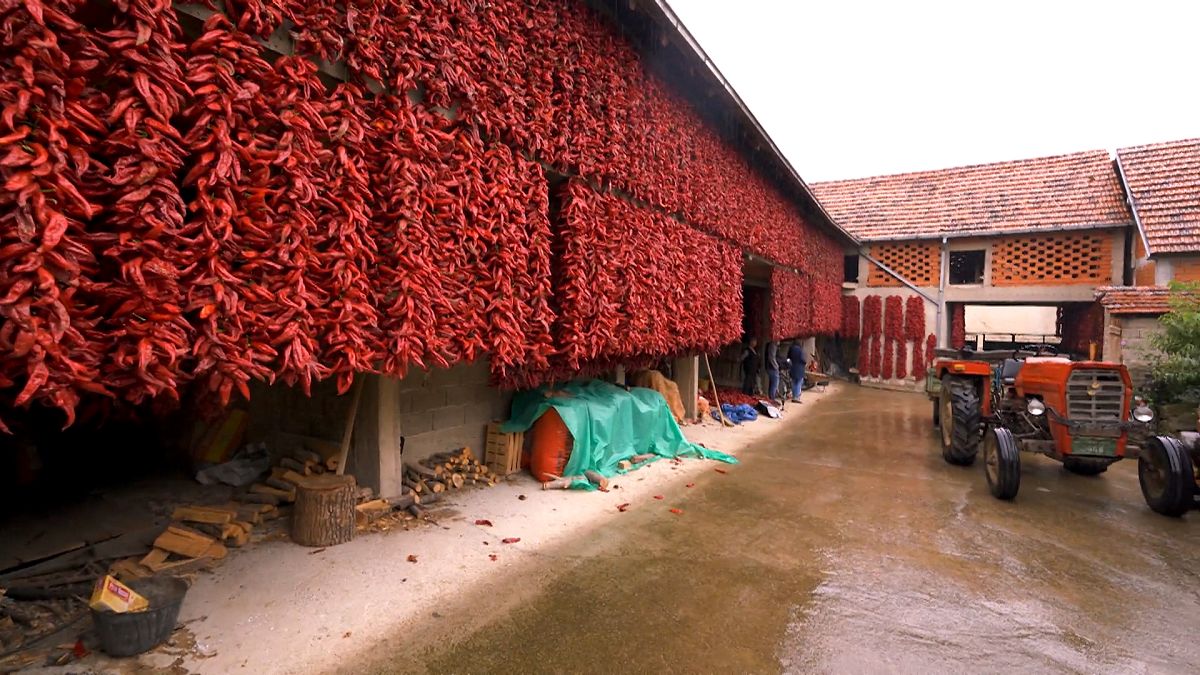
(324, 511)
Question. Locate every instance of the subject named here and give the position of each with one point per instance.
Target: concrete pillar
(391, 463)
(687, 376)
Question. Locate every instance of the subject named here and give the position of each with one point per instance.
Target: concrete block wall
(434, 411)
(1136, 347)
(448, 408)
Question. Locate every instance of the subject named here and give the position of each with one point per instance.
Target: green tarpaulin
(609, 424)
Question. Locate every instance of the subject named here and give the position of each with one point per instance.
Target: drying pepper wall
(200, 211)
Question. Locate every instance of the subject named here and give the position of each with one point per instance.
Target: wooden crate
(503, 451)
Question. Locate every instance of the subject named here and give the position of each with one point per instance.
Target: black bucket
(131, 633)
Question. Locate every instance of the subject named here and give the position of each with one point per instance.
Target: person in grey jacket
(772, 355)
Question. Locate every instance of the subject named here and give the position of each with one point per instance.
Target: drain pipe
(943, 272)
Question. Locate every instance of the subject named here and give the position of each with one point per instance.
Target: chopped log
(469, 455)
(209, 529)
(184, 542)
(316, 468)
(297, 466)
(203, 514)
(456, 480)
(368, 512)
(235, 535)
(638, 459)
(402, 501)
(283, 495)
(128, 569)
(305, 455)
(428, 499)
(190, 564)
(596, 479)
(154, 558)
(624, 465)
(280, 484)
(324, 511)
(414, 485)
(417, 511)
(436, 486)
(332, 464)
(256, 498)
(560, 483)
(421, 470)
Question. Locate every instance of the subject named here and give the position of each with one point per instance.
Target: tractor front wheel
(959, 417)
(1001, 463)
(1086, 467)
(1165, 473)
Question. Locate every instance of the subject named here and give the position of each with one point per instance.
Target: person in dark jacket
(797, 360)
(750, 366)
(772, 355)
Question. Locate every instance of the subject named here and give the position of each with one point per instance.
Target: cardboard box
(115, 596)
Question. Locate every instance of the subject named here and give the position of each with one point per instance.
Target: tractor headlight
(1143, 413)
(1036, 407)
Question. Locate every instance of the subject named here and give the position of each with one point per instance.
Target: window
(966, 267)
(850, 265)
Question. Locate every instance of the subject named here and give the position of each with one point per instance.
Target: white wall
(1025, 320)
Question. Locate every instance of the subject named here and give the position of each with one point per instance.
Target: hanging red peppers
(329, 231)
(791, 305)
(851, 315)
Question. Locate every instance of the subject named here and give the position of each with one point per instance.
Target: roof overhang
(676, 56)
(998, 234)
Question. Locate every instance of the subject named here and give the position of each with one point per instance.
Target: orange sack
(552, 444)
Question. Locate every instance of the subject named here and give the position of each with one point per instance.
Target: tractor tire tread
(965, 421)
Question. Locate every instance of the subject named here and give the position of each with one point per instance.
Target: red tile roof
(1135, 299)
(1164, 180)
(1076, 191)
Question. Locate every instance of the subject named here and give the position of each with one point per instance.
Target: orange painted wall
(1054, 260)
(1185, 269)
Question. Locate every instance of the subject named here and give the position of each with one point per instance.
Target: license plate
(1096, 447)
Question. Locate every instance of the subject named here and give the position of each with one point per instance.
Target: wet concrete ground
(846, 544)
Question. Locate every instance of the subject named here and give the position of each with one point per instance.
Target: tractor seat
(1009, 369)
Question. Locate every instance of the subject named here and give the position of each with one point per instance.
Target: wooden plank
(284, 495)
(154, 558)
(184, 542)
(348, 432)
(202, 514)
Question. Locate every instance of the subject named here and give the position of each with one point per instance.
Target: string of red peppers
(851, 317)
(914, 329)
(873, 329)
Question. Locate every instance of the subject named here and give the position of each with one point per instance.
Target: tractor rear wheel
(1165, 473)
(1001, 463)
(1086, 467)
(937, 413)
(959, 415)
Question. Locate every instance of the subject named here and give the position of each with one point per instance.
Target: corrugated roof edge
(661, 14)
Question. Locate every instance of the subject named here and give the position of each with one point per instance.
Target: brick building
(1163, 187)
(1045, 232)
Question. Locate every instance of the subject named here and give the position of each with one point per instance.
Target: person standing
(750, 366)
(772, 355)
(797, 360)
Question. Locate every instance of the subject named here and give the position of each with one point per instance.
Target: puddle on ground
(846, 544)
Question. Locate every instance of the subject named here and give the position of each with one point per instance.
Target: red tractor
(1033, 400)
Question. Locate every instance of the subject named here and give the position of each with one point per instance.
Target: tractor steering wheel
(1040, 349)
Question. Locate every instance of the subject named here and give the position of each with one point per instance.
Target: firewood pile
(425, 482)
